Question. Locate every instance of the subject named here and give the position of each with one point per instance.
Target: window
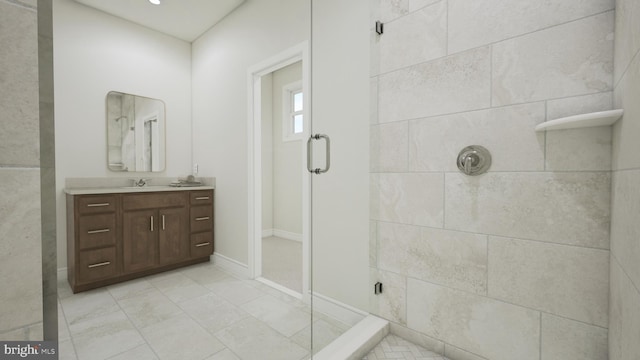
(293, 126)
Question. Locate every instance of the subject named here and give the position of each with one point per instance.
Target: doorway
(279, 188)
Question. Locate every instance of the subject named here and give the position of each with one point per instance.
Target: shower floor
(397, 348)
(199, 312)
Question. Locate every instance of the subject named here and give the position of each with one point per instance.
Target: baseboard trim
(280, 288)
(356, 342)
(282, 234)
(337, 310)
(233, 266)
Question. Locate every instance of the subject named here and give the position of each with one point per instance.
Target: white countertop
(131, 189)
(85, 186)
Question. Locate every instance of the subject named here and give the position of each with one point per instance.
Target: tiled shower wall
(27, 188)
(20, 231)
(624, 313)
(512, 264)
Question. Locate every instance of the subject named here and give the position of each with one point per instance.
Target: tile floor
(282, 262)
(194, 313)
(393, 347)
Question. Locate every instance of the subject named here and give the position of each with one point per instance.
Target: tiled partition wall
(512, 264)
(20, 231)
(624, 309)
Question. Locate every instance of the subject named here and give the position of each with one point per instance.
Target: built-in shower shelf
(601, 118)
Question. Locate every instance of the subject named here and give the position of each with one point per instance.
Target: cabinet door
(140, 239)
(173, 245)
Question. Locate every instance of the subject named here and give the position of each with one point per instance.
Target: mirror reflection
(135, 133)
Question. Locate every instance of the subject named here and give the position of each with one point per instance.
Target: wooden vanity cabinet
(92, 223)
(155, 229)
(201, 223)
(117, 237)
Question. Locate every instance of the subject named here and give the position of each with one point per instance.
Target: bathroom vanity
(115, 235)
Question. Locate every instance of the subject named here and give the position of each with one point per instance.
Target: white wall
(95, 53)
(255, 31)
(287, 159)
(267, 152)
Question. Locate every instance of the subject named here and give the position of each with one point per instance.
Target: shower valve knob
(474, 160)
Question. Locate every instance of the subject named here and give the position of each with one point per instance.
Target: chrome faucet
(140, 183)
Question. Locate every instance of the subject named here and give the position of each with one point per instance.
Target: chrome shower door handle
(310, 154)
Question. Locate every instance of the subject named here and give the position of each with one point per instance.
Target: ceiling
(184, 19)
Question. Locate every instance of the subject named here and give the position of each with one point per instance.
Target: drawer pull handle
(151, 223)
(98, 231)
(202, 198)
(99, 264)
(98, 205)
(162, 222)
(203, 244)
(202, 218)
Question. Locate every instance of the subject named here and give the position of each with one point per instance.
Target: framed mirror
(135, 133)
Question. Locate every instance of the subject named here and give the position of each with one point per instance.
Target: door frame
(285, 58)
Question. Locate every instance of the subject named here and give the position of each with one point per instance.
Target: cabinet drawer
(201, 245)
(203, 197)
(154, 200)
(96, 264)
(96, 204)
(201, 218)
(96, 231)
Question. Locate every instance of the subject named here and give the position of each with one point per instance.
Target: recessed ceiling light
(155, 2)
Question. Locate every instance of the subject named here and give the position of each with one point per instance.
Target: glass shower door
(340, 168)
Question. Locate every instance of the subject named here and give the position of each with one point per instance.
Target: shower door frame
(300, 52)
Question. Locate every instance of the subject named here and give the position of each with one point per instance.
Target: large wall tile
(576, 105)
(451, 84)
(564, 339)
(388, 149)
(19, 137)
(373, 244)
(373, 100)
(454, 353)
(389, 10)
(418, 338)
(565, 280)
(625, 227)
(450, 258)
(627, 34)
(490, 328)
(626, 131)
(434, 143)
(579, 149)
(480, 22)
(415, 199)
(624, 316)
(419, 36)
(567, 208)
(419, 4)
(392, 303)
(541, 65)
(586, 149)
(20, 249)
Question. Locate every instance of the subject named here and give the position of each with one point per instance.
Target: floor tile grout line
(73, 345)
(151, 286)
(134, 326)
